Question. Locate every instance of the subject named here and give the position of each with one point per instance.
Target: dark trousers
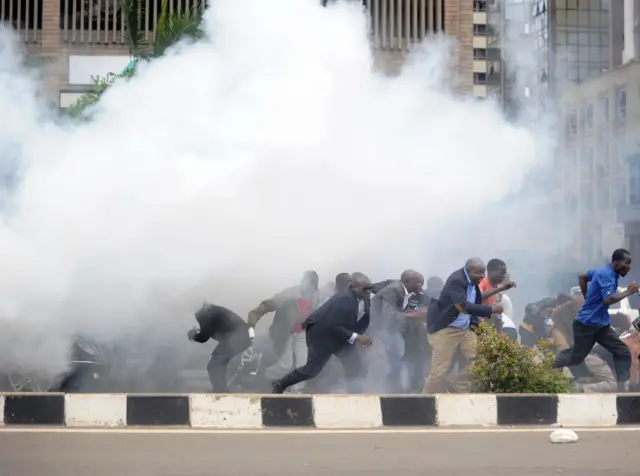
(321, 345)
(228, 347)
(585, 337)
(416, 353)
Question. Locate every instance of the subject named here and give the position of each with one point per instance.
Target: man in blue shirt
(593, 323)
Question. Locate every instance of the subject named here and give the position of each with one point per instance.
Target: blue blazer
(452, 301)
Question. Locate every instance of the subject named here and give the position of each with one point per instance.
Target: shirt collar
(467, 276)
(610, 268)
(405, 289)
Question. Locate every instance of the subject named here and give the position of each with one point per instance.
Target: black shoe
(277, 387)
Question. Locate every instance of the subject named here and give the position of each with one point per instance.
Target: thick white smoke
(228, 167)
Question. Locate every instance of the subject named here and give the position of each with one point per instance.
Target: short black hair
(620, 255)
(495, 264)
(343, 278)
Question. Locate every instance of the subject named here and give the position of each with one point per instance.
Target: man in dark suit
(390, 314)
(232, 334)
(336, 328)
(449, 323)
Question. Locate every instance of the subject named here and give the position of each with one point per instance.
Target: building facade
(600, 127)
(67, 34)
(601, 167)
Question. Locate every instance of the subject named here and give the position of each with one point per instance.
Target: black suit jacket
(217, 322)
(453, 299)
(338, 317)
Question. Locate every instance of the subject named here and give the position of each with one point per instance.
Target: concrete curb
(320, 411)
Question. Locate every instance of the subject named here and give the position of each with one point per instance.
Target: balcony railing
(399, 24)
(395, 24)
(24, 16)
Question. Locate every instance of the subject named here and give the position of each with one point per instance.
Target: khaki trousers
(446, 344)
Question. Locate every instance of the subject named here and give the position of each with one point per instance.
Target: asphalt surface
(305, 454)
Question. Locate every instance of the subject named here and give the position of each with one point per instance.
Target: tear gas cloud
(228, 167)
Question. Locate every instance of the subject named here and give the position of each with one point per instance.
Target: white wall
(83, 68)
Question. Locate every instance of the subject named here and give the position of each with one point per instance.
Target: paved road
(320, 454)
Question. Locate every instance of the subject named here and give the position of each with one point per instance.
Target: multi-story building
(509, 54)
(600, 125)
(70, 36)
(572, 45)
(601, 168)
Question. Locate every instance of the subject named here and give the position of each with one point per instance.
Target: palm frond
(171, 27)
(134, 20)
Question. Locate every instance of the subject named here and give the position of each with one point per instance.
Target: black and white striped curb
(317, 411)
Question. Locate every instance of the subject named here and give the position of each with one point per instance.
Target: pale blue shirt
(463, 321)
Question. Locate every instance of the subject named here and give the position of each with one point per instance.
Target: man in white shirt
(389, 314)
(506, 318)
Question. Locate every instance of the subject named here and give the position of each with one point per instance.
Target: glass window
(572, 18)
(479, 78)
(573, 121)
(583, 53)
(588, 116)
(634, 180)
(572, 4)
(621, 104)
(561, 17)
(583, 17)
(479, 53)
(480, 5)
(605, 109)
(583, 39)
(595, 4)
(479, 30)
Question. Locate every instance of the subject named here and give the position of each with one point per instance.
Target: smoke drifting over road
(226, 168)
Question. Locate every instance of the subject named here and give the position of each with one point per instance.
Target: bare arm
(583, 280)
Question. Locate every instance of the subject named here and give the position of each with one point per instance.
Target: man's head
(496, 271)
(342, 282)
(621, 261)
(412, 280)
(360, 285)
(309, 283)
(434, 283)
(475, 269)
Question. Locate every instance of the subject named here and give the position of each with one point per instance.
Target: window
(634, 180)
(479, 30)
(621, 106)
(605, 109)
(479, 5)
(573, 122)
(479, 53)
(603, 161)
(588, 116)
(479, 78)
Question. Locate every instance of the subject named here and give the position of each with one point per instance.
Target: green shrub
(504, 366)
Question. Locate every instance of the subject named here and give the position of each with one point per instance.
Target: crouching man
(231, 332)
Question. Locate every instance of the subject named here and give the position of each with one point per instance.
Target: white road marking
(295, 431)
